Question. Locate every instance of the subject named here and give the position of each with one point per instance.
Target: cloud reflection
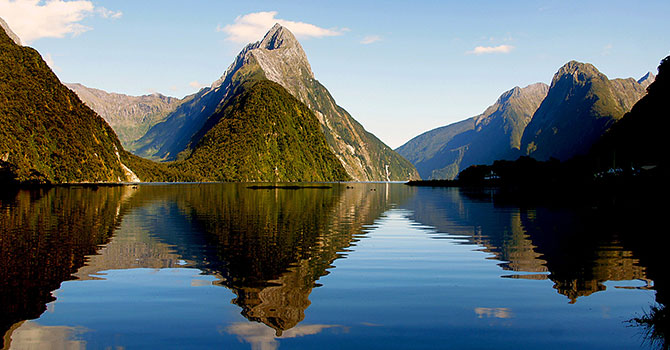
(262, 337)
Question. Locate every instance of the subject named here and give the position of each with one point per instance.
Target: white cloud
(371, 39)
(253, 26)
(480, 50)
(35, 19)
(106, 13)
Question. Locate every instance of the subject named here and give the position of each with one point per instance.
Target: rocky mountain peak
(537, 89)
(9, 32)
(579, 72)
(278, 37)
(647, 79)
(279, 54)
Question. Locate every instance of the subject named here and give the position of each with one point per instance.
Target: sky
(398, 67)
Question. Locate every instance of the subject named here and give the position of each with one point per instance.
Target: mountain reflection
(271, 247)
(268, 246)
(577, 250)
(45, 236)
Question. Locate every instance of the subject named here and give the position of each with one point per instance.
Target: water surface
(351, 266)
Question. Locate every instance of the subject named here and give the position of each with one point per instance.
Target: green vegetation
(263, 134)
(47, 135)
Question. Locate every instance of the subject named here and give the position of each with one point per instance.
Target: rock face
(279, 57)
(647, 79)
(9, 32)
(581, 105)
(47, 135)
(129, 116)
(494, 134)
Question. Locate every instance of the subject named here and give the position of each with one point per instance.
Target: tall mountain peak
(578, 70)
(280, 58)
(278, 37)
(9, 32)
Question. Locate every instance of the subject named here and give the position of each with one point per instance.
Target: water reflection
(271, 248)
(45, 236)
(263, 338)
(577, 250)
(268, 246)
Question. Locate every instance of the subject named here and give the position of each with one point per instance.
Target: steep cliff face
(581, 105)
(47, 135)
(494, 134)
(129, 116)
(279, 57)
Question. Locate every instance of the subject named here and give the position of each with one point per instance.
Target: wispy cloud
(481, 50)
(35, 19)
(371, 39)
(253, 26)
(607, 50)
(196, 84)
(106, 13)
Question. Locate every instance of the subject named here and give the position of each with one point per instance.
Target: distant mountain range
(494, 134)
(129, 116)
(268, 119)
(557, 121)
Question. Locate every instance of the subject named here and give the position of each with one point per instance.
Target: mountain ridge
(494, 134)
(582, 103)
(129, 116)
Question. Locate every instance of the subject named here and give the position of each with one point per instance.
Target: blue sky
(399, 67)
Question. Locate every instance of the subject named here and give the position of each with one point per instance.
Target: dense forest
(263, 133)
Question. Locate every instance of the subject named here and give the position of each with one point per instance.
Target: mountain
(263, 133)
(494, 134)
(10, 33)
(278, 57)
(129, 116)
(639, 138)
(47, 135)
(647, 79)
(581, 105)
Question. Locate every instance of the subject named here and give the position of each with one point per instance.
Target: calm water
(374, 266)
